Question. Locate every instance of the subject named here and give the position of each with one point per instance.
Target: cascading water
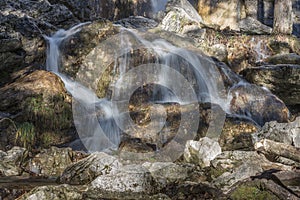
(85, 97)
(178, 76)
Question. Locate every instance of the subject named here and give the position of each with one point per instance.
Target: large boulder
(40, 108)
(288, 58)
(237, 134)
(282, 80)
(232, 167)
(252, 26)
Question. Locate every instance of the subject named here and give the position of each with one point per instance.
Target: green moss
(216, 172)
(51, 116)
(248, 192)
(48, 114)
(26, 135)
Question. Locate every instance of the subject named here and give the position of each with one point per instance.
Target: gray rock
(252, 26)
(282, 80)
(181, 18)
(201, 152)
(231, 167)
(288, 133)
(10, 161)
(130, 178)
(166, 173)
(87, 169)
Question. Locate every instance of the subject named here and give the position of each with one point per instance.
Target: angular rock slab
(130, 178)
(252, 26)
(231, 167)
(89, 168)
(288, 133)
(166, 172)
(201, 152)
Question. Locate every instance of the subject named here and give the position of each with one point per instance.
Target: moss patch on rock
(252, 192)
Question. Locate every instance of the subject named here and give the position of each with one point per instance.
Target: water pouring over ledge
(103, 120)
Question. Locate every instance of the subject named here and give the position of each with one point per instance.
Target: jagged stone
(60, 192)
(231, 167)
(181, 18)
(288, 133)
(201, 152)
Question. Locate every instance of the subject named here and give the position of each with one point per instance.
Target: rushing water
(178, 75)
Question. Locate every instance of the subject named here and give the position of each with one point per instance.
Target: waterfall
(178, 75)
(103, 134)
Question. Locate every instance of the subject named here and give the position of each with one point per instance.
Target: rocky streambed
(246, 146)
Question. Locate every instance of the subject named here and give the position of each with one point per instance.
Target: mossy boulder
(40, 100)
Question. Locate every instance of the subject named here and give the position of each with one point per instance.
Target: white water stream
(187, 78)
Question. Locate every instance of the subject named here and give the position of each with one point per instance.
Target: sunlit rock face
(221, 13)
